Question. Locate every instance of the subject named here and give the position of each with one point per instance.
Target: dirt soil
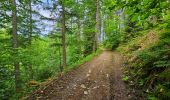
(98, 79)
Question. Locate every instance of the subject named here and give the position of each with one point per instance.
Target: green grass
(84, 60)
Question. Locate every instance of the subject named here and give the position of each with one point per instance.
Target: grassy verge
(84, 60)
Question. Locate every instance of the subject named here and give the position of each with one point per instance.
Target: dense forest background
(40, 39)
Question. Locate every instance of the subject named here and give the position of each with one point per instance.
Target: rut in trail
(98, 79)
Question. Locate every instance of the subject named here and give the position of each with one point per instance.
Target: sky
(47, 26)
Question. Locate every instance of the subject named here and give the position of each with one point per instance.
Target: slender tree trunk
(59, 52)
(30, 18)
(15, 47)
(103, 18)
(78, 37)
(63, 35)
(100, 22)
(30, 38)
(97, 27)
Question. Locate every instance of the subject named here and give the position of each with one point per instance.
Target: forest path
(98, 79)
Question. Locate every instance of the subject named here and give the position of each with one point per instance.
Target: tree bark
(60, 63)
(30, 39)
(15, 47)
(97, 27)
(30, 19)
(78, 36)
(63, 35)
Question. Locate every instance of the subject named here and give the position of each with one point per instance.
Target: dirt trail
(98, 79)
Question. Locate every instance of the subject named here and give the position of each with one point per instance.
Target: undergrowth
(148, 64)
(82, 61)
(40, 84)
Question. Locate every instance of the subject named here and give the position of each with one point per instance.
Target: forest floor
(98, 79)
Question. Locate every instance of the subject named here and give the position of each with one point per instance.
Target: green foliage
(85, 59)
(157, 54)
(148, 63)
(155, 60)
(125, 78)
(123, 23)
(44, 73)
(152, 98)
(6, 70)
(151, 66)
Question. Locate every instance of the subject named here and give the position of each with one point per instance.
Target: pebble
(107, 75)
(42, 91)
(94, 87)
(85, 92)
(87, 75)
(83, 86)
(89, 71)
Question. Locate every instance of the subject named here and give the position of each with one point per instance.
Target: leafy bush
(150, 66)
(44, 73)
(155, 60)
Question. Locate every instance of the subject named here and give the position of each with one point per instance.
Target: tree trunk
(78, 37)
(63, 35)
(30, 19)
(97, 27)
(30, 39)
(60, 64)
(15, 47)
